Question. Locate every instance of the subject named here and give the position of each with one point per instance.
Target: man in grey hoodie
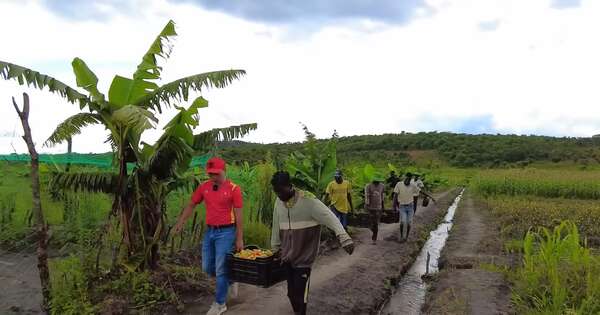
(296, 234)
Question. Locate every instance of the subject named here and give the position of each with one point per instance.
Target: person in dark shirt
(374, 199)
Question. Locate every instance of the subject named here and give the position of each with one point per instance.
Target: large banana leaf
(72, 126)
(296, 164)
(125, 91)
(329, 164)
(134, 117)
(171, 156)
(179, 90)
(87, 182)
(173, 151)
(314, 167)
(186, 183)
(188, 117)
(87, 80)
(205, 140)
(148, 69)
(40, 81)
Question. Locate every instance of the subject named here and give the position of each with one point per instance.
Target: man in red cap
(223, 200)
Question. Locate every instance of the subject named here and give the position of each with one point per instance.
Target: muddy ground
(464, 284)
(20, 291)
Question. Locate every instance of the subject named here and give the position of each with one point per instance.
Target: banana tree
(129, 110)
(313, 167)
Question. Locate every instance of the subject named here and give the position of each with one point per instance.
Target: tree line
(461, 150)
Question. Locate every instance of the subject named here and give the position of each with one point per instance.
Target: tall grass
(517, 215)
(543, 183)
(558, 275)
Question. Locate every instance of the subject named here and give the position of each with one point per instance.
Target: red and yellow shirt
(219, 203)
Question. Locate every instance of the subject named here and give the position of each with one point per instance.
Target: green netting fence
(102, 160)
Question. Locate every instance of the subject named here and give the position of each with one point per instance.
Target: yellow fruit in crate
(252, 254)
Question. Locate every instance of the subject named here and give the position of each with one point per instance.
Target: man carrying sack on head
(224, 233)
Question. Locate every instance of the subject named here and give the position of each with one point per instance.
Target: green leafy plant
(314, 166)
(559, 275)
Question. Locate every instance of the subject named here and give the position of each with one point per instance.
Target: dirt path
(463, 287)
(20, 291)
(342, 284)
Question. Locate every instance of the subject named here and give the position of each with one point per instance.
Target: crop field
(550, 218)
(519, 214)
(570, 184)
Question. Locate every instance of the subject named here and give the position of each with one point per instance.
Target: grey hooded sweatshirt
(297, 228)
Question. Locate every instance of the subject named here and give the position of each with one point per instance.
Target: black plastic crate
(262, 272)
(390, 216)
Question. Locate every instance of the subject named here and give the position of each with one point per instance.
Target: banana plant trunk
(142, 212)
(41, 226)
(153, 230)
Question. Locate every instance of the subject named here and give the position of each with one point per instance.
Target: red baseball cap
(215, 165)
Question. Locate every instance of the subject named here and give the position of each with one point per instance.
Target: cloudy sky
(361, 67)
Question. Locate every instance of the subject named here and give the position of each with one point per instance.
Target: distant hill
(461, 150)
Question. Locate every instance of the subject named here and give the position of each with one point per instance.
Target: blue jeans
(216, 245)
(406, 217)
(343, 217)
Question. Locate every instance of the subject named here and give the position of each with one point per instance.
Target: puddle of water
(409, 295)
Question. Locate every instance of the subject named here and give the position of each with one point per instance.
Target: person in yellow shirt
(338, 192)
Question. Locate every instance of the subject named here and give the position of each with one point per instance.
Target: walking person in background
(296, 234)
(224, 233)
(374, 199)
(404, 193)
(338, 192)
(419, 186)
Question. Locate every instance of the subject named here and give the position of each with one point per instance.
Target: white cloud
(535, 73)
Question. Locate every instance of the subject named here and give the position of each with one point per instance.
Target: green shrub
(558, 276)
(69, 287)
(140, 289)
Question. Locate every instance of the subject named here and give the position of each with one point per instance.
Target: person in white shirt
(404, 201)
(420, 186)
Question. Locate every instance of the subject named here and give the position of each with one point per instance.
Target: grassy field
(519, 214)
(558, 273)
(547, 217)
(573, 184)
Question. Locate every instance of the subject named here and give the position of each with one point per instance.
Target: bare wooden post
(42, 227)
